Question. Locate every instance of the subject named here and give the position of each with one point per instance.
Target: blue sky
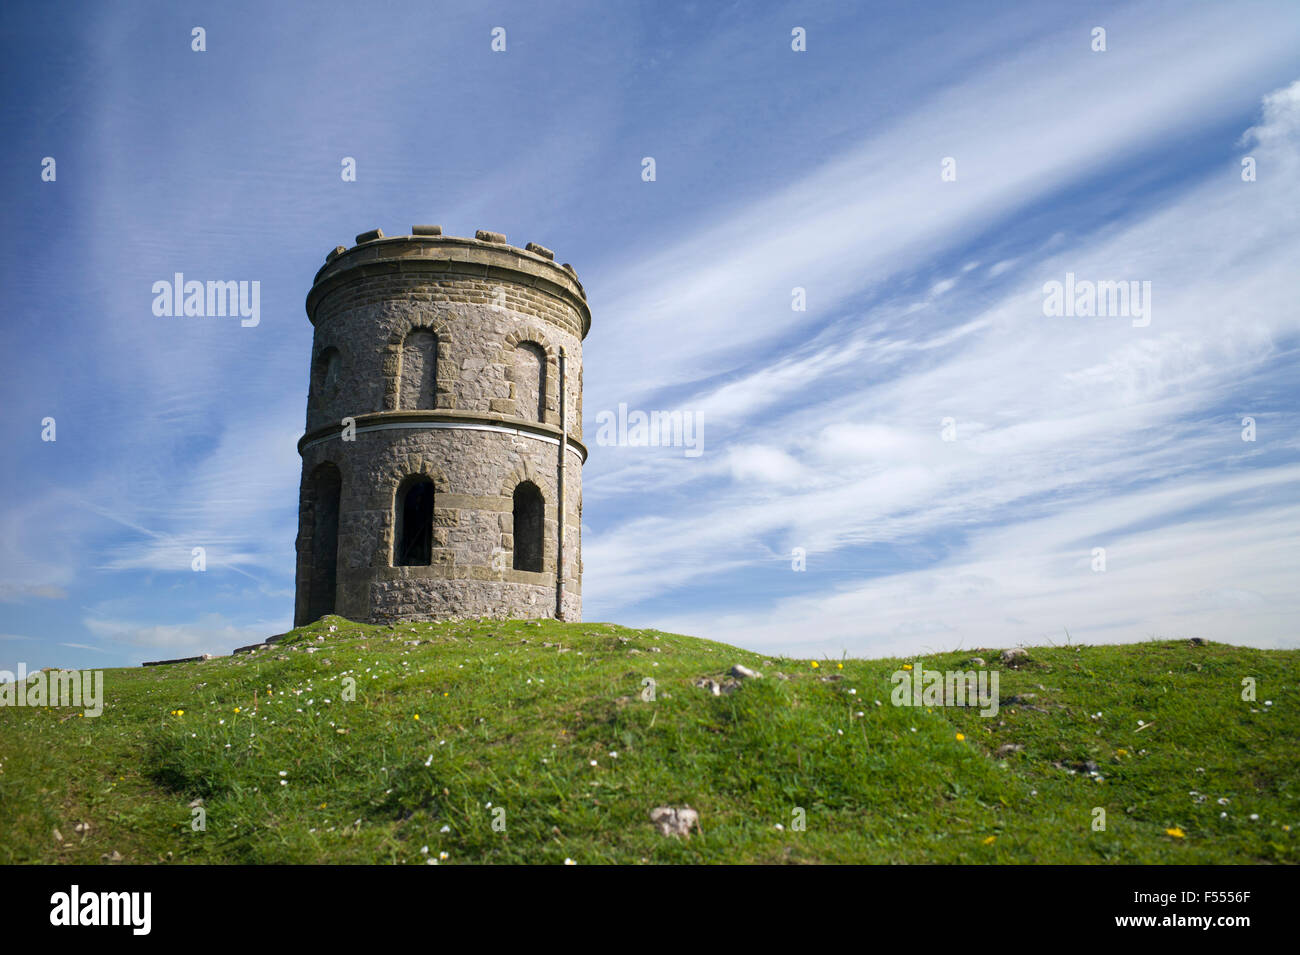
(775, 169)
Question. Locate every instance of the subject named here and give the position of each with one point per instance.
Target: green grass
(514, 714)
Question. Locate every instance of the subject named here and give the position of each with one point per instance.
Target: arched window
(530, 381)
(322, 517)
(413, 523)
(419, 386)
(529, 525)
(331, 369)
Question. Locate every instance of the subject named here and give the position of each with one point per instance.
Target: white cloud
(1281, 119)
(1223, 578)
(765, 465)
(210, 633)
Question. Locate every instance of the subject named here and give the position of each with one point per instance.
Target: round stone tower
(442, 460)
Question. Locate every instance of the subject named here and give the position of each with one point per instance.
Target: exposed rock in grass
(675, 820)
(745, 673)
(716, 688)
(713, 686)
(1014, 656)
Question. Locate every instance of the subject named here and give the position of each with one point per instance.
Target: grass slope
(527, 717)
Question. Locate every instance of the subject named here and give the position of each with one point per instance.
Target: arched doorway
(323, 500)
(529, 527)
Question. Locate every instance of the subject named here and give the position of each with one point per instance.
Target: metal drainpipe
(564, 440)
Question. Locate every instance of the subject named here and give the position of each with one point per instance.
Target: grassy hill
(453, 722)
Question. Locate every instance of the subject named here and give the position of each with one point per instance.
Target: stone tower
(442, 460)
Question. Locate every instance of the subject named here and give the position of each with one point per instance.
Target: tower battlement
(487, 251)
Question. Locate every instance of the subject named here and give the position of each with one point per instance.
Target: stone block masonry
(442, 369)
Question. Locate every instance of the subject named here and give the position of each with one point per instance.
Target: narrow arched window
(419, 384)
(530, 381)
(529, 524)
(326, 374)
(331, 370)
(413, 523)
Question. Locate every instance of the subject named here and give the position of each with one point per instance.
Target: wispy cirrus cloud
(1060, 426)
(881, 211)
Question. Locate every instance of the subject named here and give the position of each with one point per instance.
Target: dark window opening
(414, 522)
(528, 527)
(323, 519)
